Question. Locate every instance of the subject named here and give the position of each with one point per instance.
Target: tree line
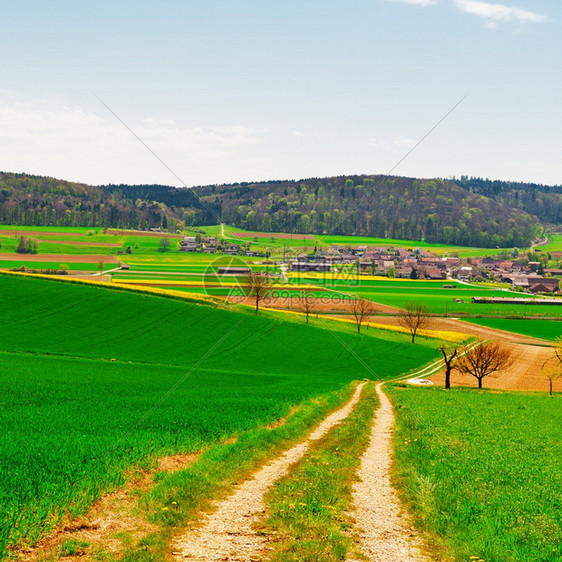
(387, 207)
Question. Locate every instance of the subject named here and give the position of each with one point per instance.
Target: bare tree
(414, 317)
(483, 360)
(449, 357)
(558, 349)
(258, 286)
(551, 368)
(362, 310)
(307, 304)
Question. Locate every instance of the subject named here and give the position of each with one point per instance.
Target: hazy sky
(242, 90)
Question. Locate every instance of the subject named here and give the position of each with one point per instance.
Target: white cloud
(498, 12)
(393, 142)
(423, 3)
(46, 138)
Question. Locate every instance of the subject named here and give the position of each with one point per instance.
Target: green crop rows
(81, 368)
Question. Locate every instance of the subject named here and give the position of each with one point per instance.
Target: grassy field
(82, 367)
(555, 244)
(396, 292)
(481, 471)
(544, 329)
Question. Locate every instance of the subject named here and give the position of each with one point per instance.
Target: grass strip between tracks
(308, 510)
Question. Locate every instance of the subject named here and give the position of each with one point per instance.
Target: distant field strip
(545, 329)
(77, 243)
(59, 258)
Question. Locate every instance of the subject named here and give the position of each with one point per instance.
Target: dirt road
(386, 535)
(227, 534)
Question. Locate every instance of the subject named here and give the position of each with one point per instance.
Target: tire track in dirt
(227, 534)
(385, 533)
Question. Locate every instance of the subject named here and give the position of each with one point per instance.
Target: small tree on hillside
(414, 317)
(164, 244)
(258, 286)
(307, 304)
(552, 367)
(362, 310)
(551, 372)
(449, 358)
(484, 360)
(558, 349)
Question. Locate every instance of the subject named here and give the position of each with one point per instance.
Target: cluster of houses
(419, 264)
(211, 245)
(521, 274)
(397, 262)
(414, 263)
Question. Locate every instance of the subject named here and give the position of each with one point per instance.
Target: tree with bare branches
(552, 367)
(483, 360)
(258, 285)
(449, 358)
(307, 304)
(414, 317)
(558, 349)
(362, 310)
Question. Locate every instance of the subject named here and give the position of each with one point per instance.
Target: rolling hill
(470, 214)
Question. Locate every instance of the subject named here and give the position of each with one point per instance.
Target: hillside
(544, 201)
(394, 207)
(96, 381)
(43, 201)
(431, 210)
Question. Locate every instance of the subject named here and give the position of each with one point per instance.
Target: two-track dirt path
(227, 533)
(386, 535)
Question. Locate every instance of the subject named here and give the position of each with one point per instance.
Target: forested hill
(434, 210)
(544, 201)
(395, 207)
(43, 201)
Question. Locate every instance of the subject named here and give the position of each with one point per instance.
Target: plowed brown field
(529, 356)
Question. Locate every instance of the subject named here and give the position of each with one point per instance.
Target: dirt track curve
(386, 535)
(227, 533)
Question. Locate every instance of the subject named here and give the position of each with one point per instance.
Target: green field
(544, 329)
(554, 245)
(481, 471)
(441, 301)
(82, 367)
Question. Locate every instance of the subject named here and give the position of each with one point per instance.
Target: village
(416, 263)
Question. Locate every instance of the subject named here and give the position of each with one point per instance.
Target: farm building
(234, 270)
(308, 266)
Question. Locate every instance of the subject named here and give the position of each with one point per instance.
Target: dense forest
(42, 201)
(395, 207)
(476, 212)
(544, 201)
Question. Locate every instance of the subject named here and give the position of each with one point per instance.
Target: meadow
(432, 294)
(544, 329)
(481, 471)
(82, 368)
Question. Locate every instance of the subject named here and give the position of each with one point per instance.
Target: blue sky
(248, 90)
